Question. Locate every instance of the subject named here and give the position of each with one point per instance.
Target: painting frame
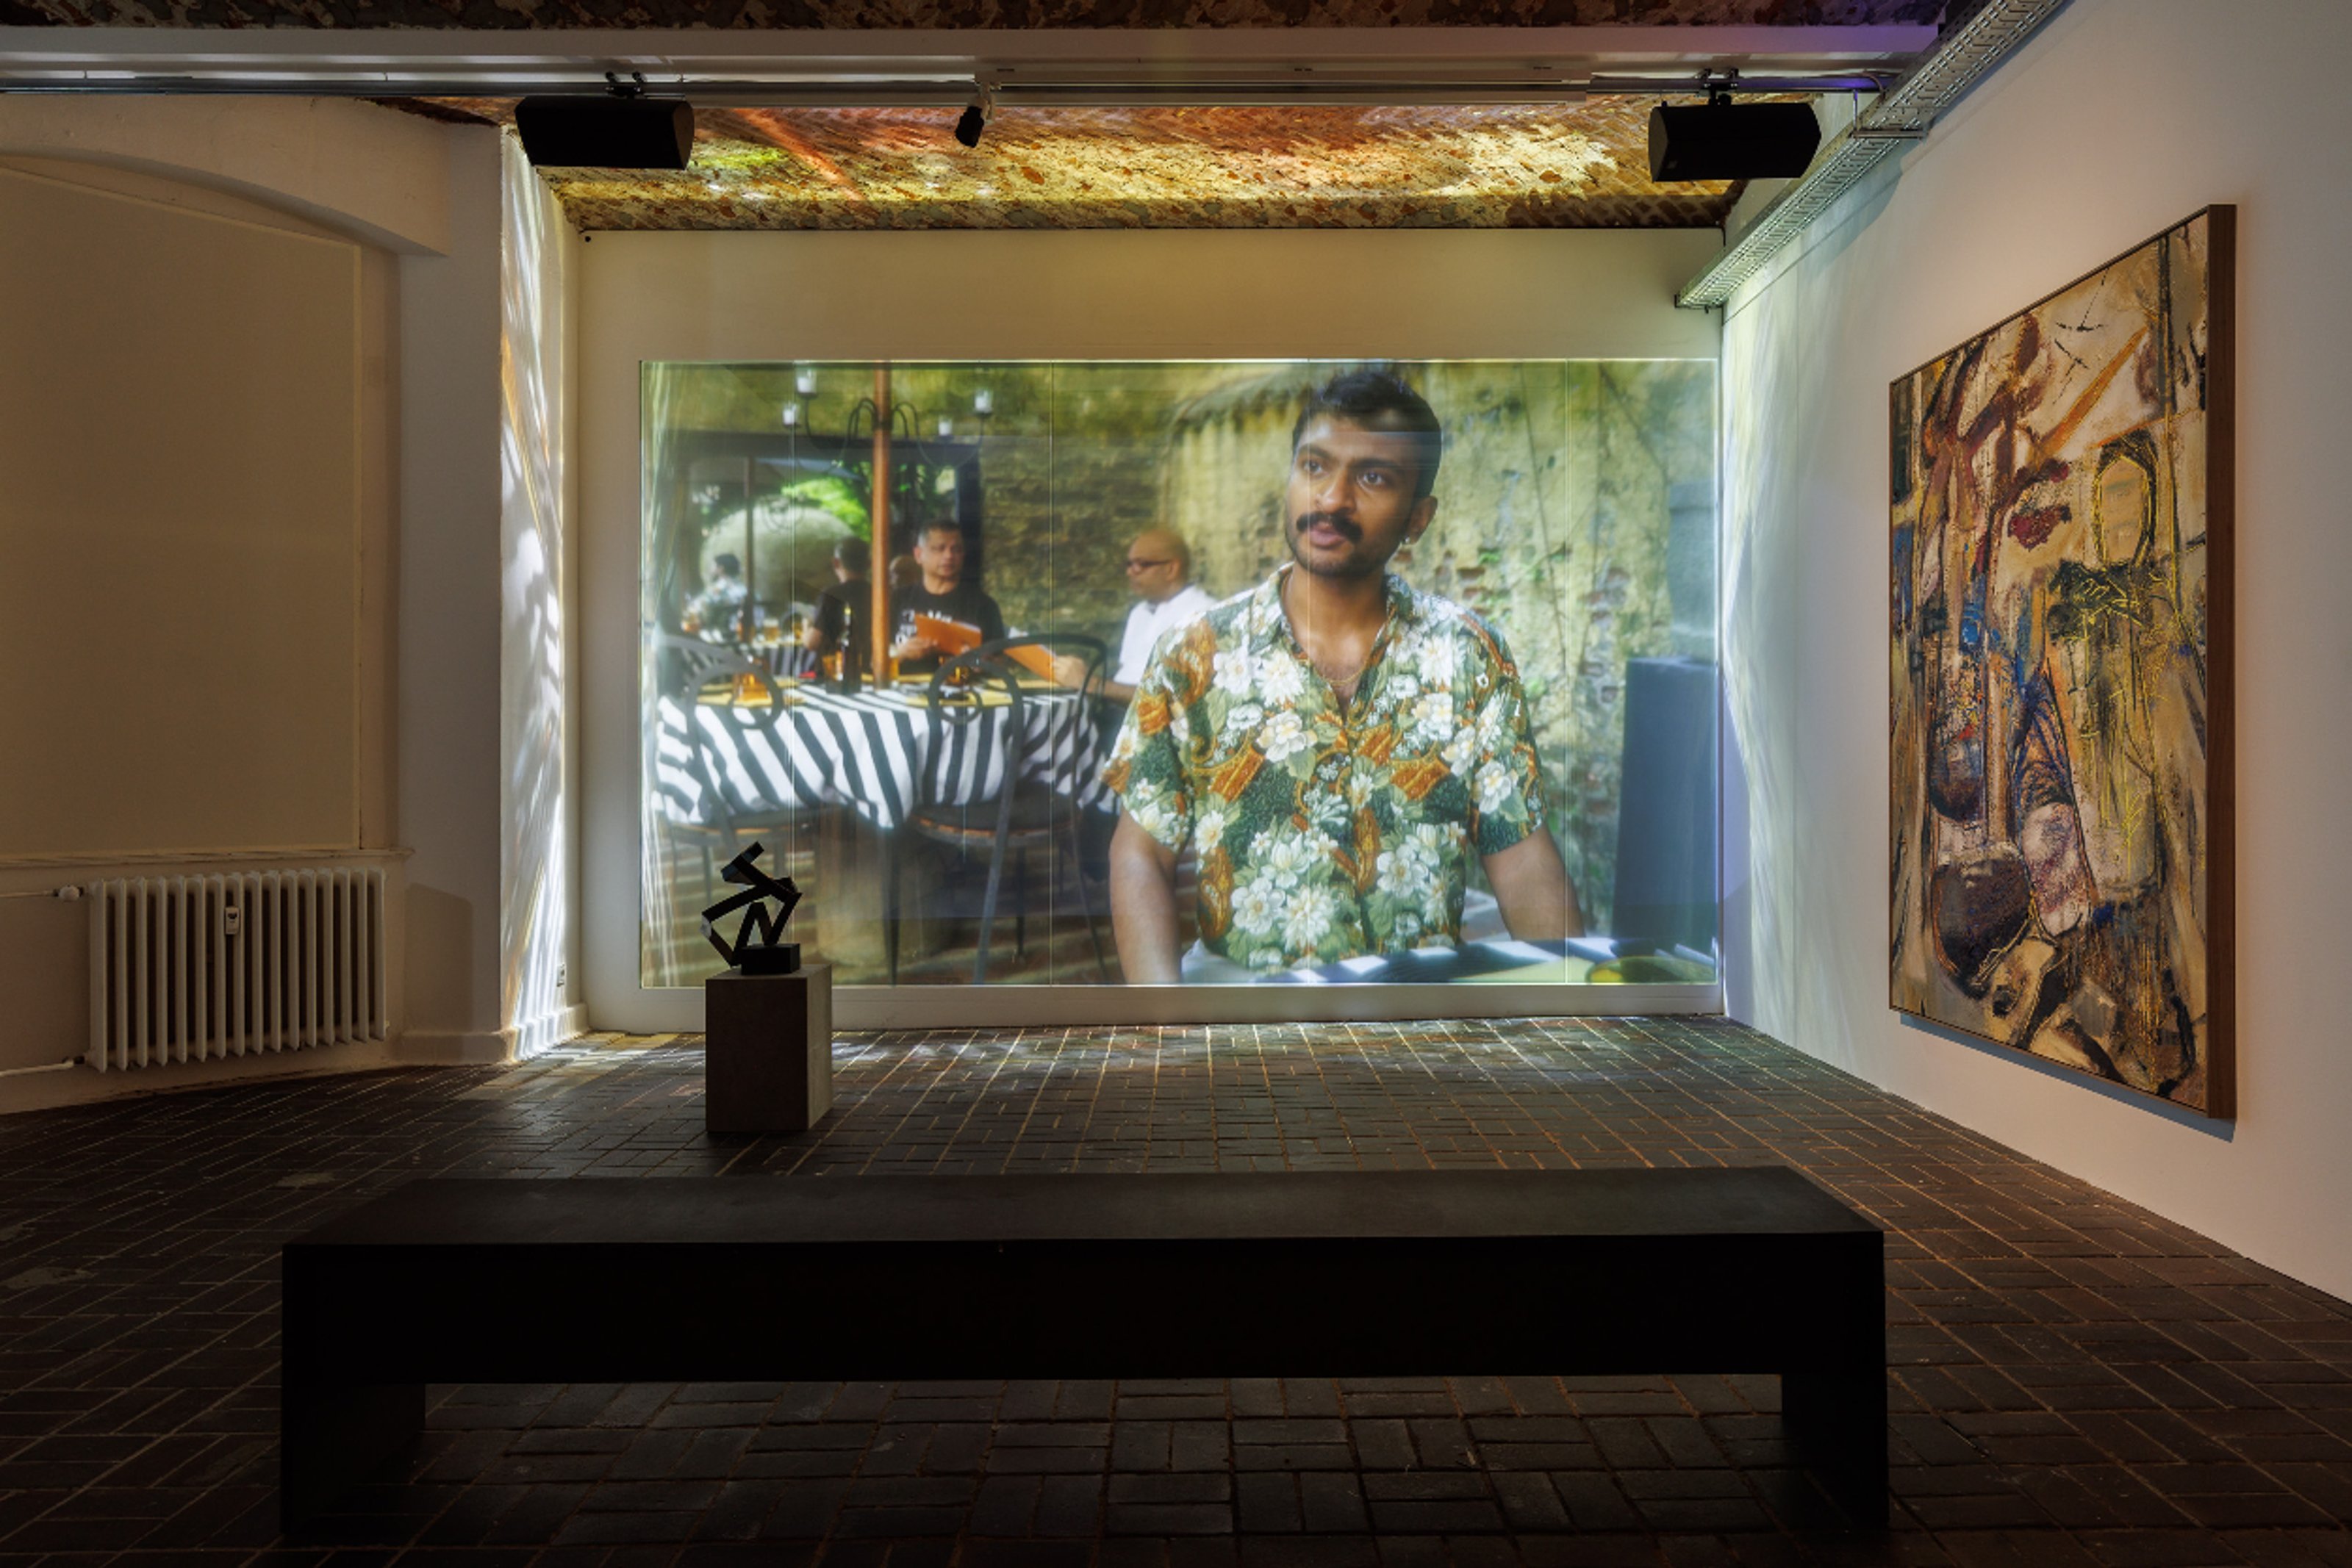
(2062, 491)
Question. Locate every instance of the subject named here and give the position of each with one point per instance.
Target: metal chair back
(686, 665)
(991, 668)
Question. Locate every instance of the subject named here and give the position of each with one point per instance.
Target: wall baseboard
(81, 1084)
(453, 1047)
(680, 1010)
(550, 1030)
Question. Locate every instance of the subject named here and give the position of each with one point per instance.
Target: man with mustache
(1334, 744)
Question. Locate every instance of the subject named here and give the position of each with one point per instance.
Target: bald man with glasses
(1158, 573)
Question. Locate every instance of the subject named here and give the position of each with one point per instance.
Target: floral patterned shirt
(1325, 832)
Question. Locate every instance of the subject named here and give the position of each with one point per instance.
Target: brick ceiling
(1331, 166)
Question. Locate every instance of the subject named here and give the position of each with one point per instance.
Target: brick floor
(2076, 1382)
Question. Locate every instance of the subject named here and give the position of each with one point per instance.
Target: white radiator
(193, 968)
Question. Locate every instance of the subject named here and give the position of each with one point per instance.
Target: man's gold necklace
(1343, 685)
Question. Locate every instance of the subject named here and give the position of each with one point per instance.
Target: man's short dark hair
(728, 563)
(855, 556)
(939, 526)
(1381, 400)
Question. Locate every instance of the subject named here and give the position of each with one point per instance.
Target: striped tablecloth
(864, 750)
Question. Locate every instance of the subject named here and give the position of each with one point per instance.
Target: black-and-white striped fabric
(864, 750)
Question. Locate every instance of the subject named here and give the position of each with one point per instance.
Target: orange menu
(954, 637)
(1037, 661)
(949, 637)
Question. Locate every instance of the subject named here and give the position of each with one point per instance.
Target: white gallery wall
(486, 737)
(450, 613)
(2119, 118)
(187, 501)
(1086, 295)
(250, 544)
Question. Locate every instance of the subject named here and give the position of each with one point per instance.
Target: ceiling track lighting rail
(1906, 112)
(1273, 87)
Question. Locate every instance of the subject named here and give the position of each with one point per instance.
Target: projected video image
(1237, 673)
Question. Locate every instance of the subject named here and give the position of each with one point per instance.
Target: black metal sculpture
(771, 954)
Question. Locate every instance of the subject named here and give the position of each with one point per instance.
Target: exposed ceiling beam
(1069, 66)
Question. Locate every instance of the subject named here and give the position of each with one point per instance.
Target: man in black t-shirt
(848, 604)
(939, 550)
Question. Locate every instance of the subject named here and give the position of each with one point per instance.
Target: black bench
(1328, 1274)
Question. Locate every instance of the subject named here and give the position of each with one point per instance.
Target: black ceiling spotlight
(620, 129)
(1727, 141)
(974, 118)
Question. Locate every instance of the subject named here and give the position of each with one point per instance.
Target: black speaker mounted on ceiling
(1725, 141)
(605, 131)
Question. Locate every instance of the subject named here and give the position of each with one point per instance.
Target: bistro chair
(1032, 808)
(716, 824)
(683, 665)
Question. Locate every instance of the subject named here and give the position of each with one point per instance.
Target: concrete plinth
(767, 1050)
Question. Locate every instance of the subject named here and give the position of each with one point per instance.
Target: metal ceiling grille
(1961, 59)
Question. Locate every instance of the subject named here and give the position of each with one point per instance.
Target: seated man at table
(943, 593)
(847, 605)
(1334, 744)
(1159, 575)
(715, 614)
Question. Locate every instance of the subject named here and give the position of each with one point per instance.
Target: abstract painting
(2060, 664)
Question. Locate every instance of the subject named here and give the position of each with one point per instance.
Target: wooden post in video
(878, 637)
(747, 620)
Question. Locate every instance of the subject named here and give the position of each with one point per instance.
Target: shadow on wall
(2181, 1115)
(534, 901)
(1778, 591)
